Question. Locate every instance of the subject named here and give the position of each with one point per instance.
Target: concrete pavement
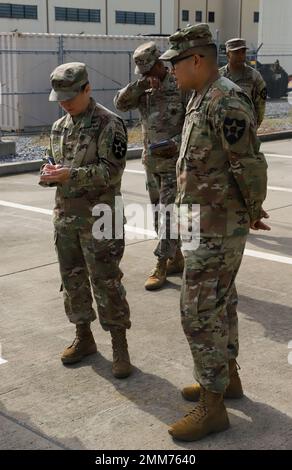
(44, 405)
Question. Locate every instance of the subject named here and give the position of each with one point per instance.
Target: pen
(51, 161)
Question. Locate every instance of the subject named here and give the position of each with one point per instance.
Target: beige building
(131, 17)
(241, 19)
(275, 33)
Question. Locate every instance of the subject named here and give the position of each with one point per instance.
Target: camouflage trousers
(208, 308)
(162, 189)
(87, 263)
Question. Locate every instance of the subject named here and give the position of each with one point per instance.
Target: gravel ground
(27, 149)
(279, 108)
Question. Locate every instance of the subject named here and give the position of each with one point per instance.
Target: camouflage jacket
(95, 149)
(220, 166)
(162, 114)
(251, 81)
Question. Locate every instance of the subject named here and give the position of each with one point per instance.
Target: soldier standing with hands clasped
(220, 168)
(246, 77)
(87, 158)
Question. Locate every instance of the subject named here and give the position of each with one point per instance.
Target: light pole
(240, 18)
(47, 13)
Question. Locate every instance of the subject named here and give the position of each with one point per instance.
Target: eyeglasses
(176, 61)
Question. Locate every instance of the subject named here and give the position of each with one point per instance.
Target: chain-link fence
(26, 61)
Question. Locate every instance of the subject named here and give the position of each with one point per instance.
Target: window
(199, 16)
(12, 10)
(77, 14)
(185, 15)
(256, 17)
(72, 14)
(31, 12)
(211, 17)
(17, 11)
(132, 17)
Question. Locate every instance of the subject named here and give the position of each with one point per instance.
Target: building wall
(77, 26)
(227, 17)
(217, 7)
(249, 29)
(205, 6)
(230, 22)
(26, 25)
(234, 25)
(192, 6)
(275, 32)
(149, 6)
(168, 17)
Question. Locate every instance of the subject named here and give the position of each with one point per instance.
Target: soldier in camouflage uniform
(246, 77)
(221, 168)
(162, 110)
(86, 160)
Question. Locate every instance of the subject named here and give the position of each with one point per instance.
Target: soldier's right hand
(48, 168)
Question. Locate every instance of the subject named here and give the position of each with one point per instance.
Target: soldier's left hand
(59, 175)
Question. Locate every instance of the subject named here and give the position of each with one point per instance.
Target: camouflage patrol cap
(235, 44)
(188, 38)
(145, 56)
(67, 80)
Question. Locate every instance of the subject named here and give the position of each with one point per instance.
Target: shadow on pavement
(275, 318)
(254, 425)
(278, 245)
(21, 434)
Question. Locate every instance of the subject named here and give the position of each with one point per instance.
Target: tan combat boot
(158, 276)
(176, 265)
(121, 361)
(234, 389)
(82, 346)
(207, 417)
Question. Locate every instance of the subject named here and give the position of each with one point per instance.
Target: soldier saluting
(162, 110)
(87, 154)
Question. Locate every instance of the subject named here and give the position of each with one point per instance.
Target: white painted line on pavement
(152, 234)
(128, 228)
(277, 155)
(271, 188)
(140, 231)
(135, 172)
(268, 256)
(27, 208)
(278, 188)
(2, 361)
